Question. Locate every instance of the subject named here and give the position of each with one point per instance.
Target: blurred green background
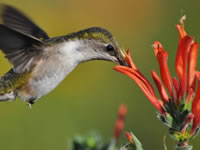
(89, 97)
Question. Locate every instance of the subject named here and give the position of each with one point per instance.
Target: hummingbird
(40, 63)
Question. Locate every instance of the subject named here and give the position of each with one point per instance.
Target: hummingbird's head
(99, 44)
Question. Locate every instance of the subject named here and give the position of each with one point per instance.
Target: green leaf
(136, 145)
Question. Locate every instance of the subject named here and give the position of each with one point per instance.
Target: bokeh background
(89, 97)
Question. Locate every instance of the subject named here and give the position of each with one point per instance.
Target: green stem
(188, 147)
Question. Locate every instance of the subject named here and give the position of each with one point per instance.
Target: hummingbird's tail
(9, 83)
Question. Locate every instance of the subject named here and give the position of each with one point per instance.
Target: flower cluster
(94, 141)
(179, 103)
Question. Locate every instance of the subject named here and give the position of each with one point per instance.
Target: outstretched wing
(14, 19)
(18, 48)
(19, 38)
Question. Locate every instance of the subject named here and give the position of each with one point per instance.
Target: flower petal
(145, 86)
(122, 111)
(196, 106)
(161, 89)
(192, 62)
(189, 96)
(162, 57)
(119, 124)
(129, 60)
(184, 46)
(180, 28)
(128, 135)
(133, 66)
(177, 89)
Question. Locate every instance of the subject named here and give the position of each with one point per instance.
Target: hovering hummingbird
(40, 63)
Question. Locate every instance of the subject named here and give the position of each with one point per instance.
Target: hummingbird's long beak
(122, 62)
(121, 57)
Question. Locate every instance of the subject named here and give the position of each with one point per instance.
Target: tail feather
(8, 97)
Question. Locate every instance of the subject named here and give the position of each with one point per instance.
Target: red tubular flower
(196, 106)
(130, 138)
(181, 110)
(162, 57)
(181, 62)
(119, 125)
(141, 81)
(185, 43)
(177, 89)
(161, 89)
(192, 61)
(190, 94)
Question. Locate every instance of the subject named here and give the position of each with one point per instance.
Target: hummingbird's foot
(8, 97)
(31, 102)
(29, 105)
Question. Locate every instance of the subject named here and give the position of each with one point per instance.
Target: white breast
(52, 70)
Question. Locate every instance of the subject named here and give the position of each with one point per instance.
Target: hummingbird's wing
(20, 38)
(18, 48)
(16, 20)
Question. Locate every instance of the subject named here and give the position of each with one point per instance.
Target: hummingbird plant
(93, 141)
(179, 103)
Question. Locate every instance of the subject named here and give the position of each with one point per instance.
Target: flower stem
(188, 147)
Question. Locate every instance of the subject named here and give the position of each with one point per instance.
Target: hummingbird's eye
(109, 47)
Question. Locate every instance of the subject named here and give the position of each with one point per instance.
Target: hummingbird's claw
(30, 105)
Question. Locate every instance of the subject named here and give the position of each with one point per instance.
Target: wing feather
(20, 38)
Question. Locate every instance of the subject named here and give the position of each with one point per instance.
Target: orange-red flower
(196, 105)
(119, 124)
(130, 138)
(141, 81)
(181, 109)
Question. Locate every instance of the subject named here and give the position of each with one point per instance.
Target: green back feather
(11, 81)
(96, 33)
